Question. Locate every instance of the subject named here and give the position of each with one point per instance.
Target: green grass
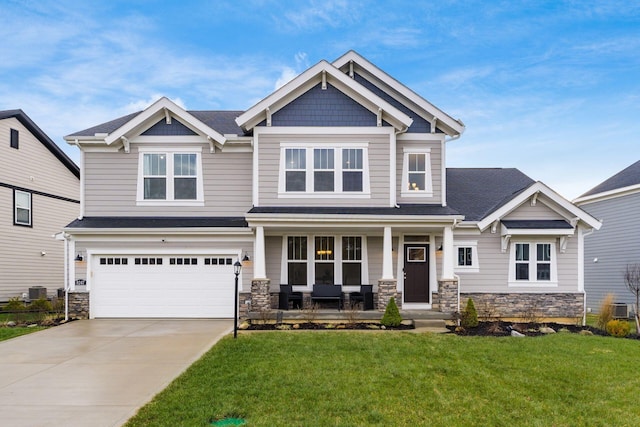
(405, 379)
(8, 333)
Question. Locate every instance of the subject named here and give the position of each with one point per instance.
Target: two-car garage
(162, 285)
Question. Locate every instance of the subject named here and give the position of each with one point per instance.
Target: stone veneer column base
(260, 295)
(78, 305)
(448, 296)
(387, 289)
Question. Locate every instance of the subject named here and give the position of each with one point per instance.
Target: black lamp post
(236, 270)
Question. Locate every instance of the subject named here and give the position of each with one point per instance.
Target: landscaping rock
(408, 322)
(585, 332)
(11, 323)
(516, 334)
(33, 325)
(244, 325)
(547, 330)
(296, 326)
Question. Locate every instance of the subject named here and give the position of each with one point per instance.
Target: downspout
(66, 277)
(393, 163)
(584, 302)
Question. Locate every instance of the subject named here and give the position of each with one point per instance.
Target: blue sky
(549, 87)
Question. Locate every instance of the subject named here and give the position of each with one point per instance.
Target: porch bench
(327, 293)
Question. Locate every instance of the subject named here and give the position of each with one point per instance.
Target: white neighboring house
(615, 201)
(339, 177)
(39, 194)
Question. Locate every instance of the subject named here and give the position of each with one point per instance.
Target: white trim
(536, 231)
(606, 195)
(170, 201)
(15, 208)
(475, 264)
(255, 179)
(539, 187)
(429, 110)
(337, 170)
(532, 264)
(82, 184)
(300, 131)
(428, 180)
(308, 79)
(160, 109)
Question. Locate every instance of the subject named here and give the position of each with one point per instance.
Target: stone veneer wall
(78, 305)
(567, 305)
(448, 296)
(260, 295)
(386, 291)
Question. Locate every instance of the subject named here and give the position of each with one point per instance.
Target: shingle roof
(156, 222)
(22, 117)
(476, 192)
(625, 178)
(220, 121)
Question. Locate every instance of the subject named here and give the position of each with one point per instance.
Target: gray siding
(494, 267)
(615, 245)
(111, 185)
(540, 211)
(436, 171)
(273, 250)
(34, 168)
(269, 158)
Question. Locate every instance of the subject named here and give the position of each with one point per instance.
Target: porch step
(434, 326)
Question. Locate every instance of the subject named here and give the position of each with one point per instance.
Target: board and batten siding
(493, 275)
(436, 171)
(269, 169)
(111, 181)
(33, 167)
(615, 245)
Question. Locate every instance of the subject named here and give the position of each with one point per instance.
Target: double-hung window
(416, 173)
(22, 208)
(170, 177)
(533, 263)
(297, 260)
(324, 260)
(310, 171)
(351, 260)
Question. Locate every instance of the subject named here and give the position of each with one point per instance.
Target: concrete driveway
(97, 372)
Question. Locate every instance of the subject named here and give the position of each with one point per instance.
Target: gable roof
(624, 181)
(445, 122)
(22, 117)
(324, 73)
(476, 192)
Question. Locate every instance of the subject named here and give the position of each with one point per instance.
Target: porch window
(170, 177)
(533, 263)
(22, 208)
(351, 261)
(297, 260)
(324, 260)
(416, 173)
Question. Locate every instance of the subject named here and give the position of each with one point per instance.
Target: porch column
(387, 255)
(259, 269)
(447, 253)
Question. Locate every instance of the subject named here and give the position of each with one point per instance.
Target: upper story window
(14, 139)
(170, 176)
(21, 208)
(533, 264)
(416, 173)
(308, 170)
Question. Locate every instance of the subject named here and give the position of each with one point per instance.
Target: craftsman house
(39, 194)
(339, 178)
(615, 201)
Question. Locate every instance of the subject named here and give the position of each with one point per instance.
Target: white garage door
(162, 286)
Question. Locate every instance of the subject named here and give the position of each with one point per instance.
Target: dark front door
(416, 273)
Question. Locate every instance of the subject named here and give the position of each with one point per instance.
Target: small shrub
(352, 312)
(469, 318)
(14, 304)
(531, 314)
(391, 315)
(618, 328)
(310, 311)
(606, 312)
(40, 307)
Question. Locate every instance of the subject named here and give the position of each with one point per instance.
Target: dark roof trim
(157, 222)
(537, 224)
(43, 138)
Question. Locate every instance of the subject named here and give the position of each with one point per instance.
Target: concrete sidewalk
(97, 372)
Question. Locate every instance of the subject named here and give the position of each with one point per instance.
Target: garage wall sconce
(79, 257)
(246, 257)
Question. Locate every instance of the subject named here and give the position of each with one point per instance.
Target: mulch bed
(503, 329)
(372, 326)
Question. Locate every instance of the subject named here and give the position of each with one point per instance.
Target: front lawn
(398, 378)
(7, 333)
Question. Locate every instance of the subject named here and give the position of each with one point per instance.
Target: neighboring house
(338, 177)
(616, 202)
(39, 194)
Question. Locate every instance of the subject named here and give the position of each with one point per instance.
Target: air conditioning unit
(620, 310)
